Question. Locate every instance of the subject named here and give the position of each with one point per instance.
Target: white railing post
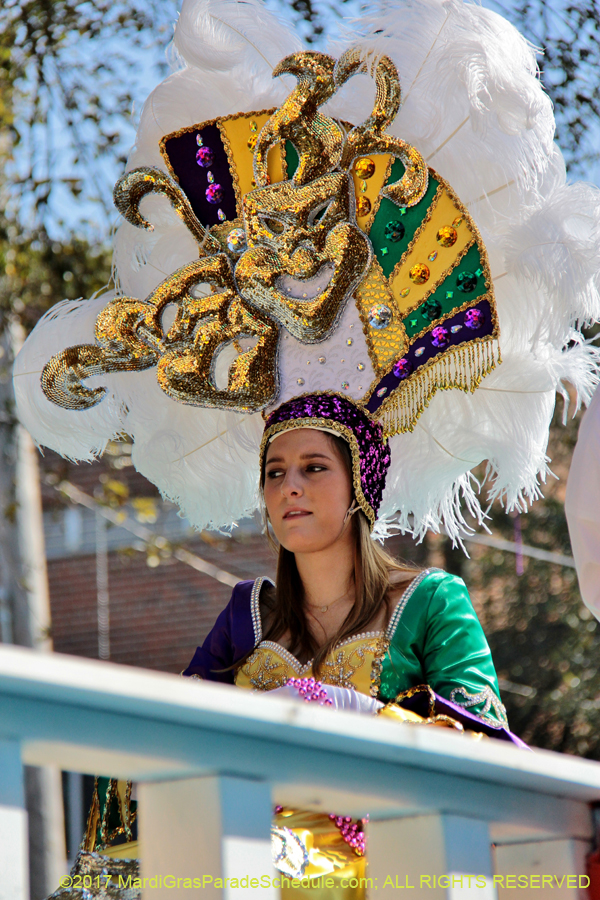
(543, 869)
(14, 869)
(214, 829)
(441, 857)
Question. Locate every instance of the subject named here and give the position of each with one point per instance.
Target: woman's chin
(306, 539)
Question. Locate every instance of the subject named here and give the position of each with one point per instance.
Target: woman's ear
(354, 507)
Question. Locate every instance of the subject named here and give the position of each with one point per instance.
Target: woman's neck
(327, 574)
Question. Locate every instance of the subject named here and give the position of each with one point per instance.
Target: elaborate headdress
(312, 268)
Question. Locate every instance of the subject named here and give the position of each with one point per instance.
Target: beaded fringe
(462, 368)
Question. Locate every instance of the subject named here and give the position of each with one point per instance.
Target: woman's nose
(291, 485)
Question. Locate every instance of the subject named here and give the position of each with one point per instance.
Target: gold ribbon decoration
(317, 138)
(369, 136)
(129, 336)
(132, 187)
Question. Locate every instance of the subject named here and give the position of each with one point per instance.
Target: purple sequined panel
(373, 449)
(459, 329)
(191, 164)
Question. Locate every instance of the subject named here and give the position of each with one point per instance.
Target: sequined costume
(433, 637)
(431, 664)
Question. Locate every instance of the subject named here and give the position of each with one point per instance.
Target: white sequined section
(343, 363)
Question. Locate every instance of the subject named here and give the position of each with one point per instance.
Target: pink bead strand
(310, 690)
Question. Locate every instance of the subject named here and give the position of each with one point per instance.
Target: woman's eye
(316, 468)
(274, 473)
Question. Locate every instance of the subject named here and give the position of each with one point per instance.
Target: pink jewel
(214, 193)
(204, 157)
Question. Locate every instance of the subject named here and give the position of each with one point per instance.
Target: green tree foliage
(70, 73)
(35, 273)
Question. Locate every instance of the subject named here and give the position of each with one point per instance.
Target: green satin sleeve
(437, 640)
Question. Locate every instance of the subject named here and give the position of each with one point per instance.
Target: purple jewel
(474, 319)
(205, 157)
(402, 368)
(439, 336)
(214, 193)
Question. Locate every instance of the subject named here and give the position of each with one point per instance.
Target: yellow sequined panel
(374, 299)
(356, 663)
(420, 271)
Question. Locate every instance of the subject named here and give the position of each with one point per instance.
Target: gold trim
(418, 689)
(232, 167)
(446, 273)
(471, 362)
(454, 312)
(369, 223)
(440, 356)
(383, 645)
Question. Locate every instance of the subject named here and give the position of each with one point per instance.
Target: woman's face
(307, 490)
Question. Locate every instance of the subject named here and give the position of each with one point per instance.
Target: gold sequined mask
(299, 237)
(295, 215)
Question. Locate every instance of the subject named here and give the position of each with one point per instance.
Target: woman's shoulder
(406, 582)
(248, 591)
(245, 602)
(418, 596)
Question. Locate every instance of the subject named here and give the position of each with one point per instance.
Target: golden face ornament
(296, 235)
(292, 258)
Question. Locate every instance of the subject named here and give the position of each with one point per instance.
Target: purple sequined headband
(370, 451)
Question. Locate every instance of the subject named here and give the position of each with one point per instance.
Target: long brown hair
(372, 570)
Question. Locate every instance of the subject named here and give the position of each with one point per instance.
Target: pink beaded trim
(310, 690)
(352, 832)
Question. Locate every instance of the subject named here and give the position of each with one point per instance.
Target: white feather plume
(474, 107)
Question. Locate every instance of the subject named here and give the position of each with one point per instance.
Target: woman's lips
(296, 513)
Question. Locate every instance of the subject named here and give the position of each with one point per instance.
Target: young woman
(367, 629)
(343, 611)
(323, 275)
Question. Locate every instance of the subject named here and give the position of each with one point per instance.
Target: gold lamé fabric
(130, 336)
(300, 228)
(334, 870)
(318, 138)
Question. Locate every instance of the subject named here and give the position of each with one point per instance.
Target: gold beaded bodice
(355, 663)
